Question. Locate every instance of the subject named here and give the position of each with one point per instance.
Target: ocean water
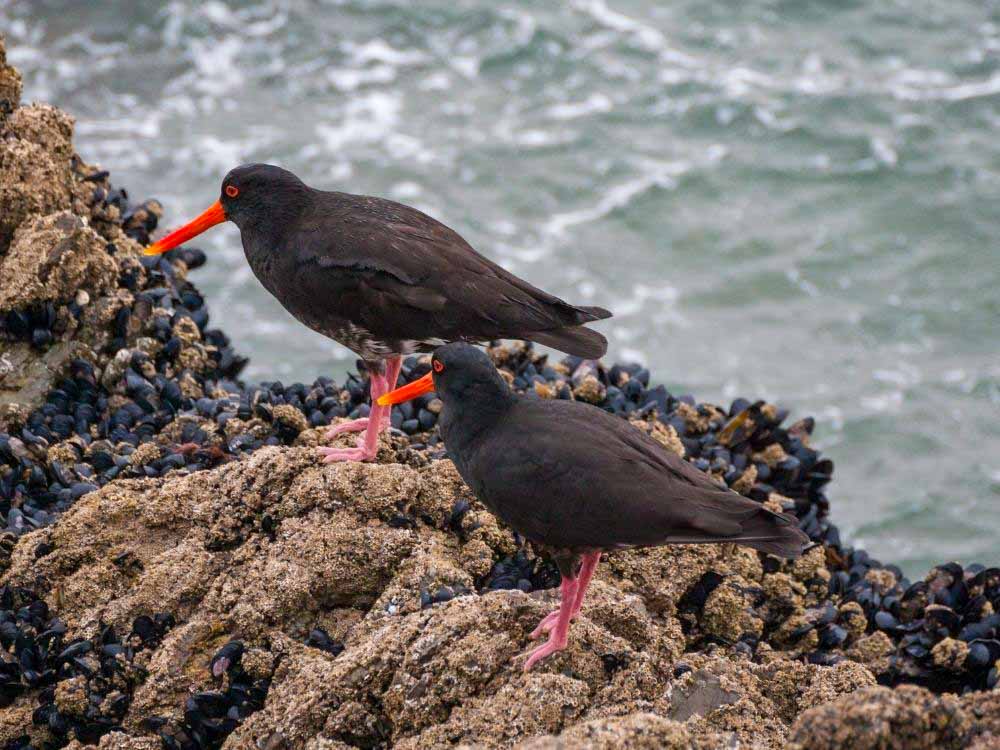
(790, 199)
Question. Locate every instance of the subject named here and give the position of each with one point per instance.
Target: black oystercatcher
(579, 481)
(381, 278)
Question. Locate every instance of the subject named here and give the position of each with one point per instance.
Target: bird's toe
(548, 622)
(353, 425)
(336, 455)
(544, 651)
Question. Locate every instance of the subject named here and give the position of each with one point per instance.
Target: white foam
(884, 152)
(936, 85)
(216, 67)
(615, 197)
(350, 79)
(889, 402)
(377, 50)
(367, 118)
(648, 36)
(662, 175)
(439, 81)
(594, 103)
(904, 376)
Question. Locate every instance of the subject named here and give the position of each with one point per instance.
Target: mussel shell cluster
(102, 668)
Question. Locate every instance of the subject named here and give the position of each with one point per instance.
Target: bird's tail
(575, 340)
(590, 314)
(773, 533)
(783, 541)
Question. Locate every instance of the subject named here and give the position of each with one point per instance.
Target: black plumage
(381, 278)
(579, 481)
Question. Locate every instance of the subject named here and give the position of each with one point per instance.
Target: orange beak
(409, 391)
(209, 218)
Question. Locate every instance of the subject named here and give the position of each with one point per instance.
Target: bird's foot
(548, 622)
(548, 648)
(334, 455)
(354, 425)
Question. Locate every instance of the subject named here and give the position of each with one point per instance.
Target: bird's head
(459, 372)
(251, 193)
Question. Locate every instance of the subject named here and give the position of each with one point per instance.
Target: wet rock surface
(177, 570)
(908, 717)
(10, 84)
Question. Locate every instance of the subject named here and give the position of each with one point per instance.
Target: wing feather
(615, 482)
(389, 255)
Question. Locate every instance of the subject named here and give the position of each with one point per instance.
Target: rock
(745, 480)
(45, 126)
(729, 611)
(873, 651)
(852, 615)
(751, 704)
(26, 377)
(829, 683)
(950, 654)
(15, 721)
(144, 454)
(524, 707)
(10, 83)
(665, 435)
(50, 259)
(291, 418)
(34, 180)
(698, 694)
(640, 731)
(907, 718)
(120, 741)
(590, 389)
(71, 696)
(984, 710)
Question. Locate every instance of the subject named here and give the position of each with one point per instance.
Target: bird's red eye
(438, 366)
(232, 191)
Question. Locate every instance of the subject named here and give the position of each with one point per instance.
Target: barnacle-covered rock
(872, 651)
(43, 125)
(640, 730)
(10, 83)
(35, 159)
(729, 611)
(950, 654)
(32, 182)
(907, 718)
(51, 259)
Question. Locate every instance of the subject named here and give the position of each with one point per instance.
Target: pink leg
(393, 366)
(560, 632)
(550, 619)
(587, 569)
(377, 419)
(368, 444)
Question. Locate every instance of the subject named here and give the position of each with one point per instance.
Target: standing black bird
(579, 481)
(381, 278)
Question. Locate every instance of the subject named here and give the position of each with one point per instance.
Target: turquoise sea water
(792, 200)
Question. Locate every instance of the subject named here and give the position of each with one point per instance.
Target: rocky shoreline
(178, 570)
